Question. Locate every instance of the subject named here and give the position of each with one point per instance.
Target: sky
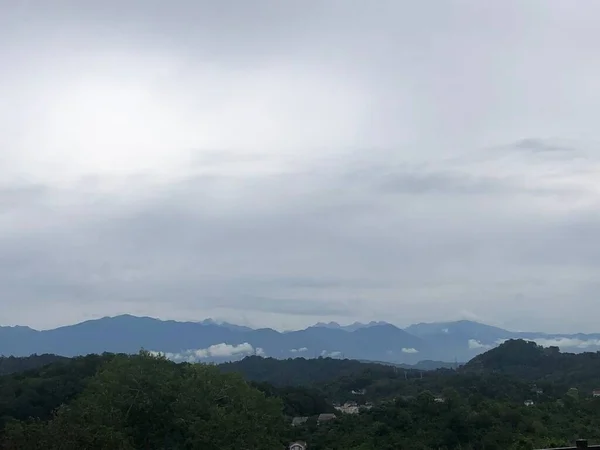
(275, 164)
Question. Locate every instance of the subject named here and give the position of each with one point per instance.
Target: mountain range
(429, 344)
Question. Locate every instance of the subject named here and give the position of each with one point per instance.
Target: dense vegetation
(12, 364)
(146, 402)
(528, 361)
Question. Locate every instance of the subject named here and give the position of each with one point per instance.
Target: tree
(147, 402)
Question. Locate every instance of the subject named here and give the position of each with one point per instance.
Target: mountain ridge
(210, 340)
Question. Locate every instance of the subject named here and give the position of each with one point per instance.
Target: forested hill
(523, 360)
(301, 371)
(528, 361)
(144, 401)
(13, 364)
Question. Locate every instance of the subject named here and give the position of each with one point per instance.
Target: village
(355, 407)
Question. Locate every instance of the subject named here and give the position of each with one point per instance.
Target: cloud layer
(217, 351)
(410, 350)
(277, 164)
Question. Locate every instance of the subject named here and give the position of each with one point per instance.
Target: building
(296, 421)
(325, 418)
(348, 408)
(528, 403)
(299, 445)
(596, 393)
(439, 399)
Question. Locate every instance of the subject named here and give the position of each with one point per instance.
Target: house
(327, 417)
(358, 392)
(528, 403)
(296, 421)
(299, 445)
(348, 408)
(439, 399)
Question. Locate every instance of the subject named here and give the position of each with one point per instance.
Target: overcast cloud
(280, 163)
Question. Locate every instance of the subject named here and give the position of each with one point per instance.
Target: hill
(301, 371)
(421, 365)
(528, 361)
(12, 364)
(144, 401)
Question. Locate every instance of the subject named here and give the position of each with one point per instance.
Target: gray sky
(280, 163)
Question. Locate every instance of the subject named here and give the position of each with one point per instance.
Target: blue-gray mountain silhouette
(375, 341)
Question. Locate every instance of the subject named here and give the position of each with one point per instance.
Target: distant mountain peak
(213, 339)
(333, 325)
(17, 327)
(221, 323)
(352, 327)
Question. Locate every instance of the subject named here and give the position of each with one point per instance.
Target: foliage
(301, 371)
(529, 361)
(297, 400)
(144, 401)
(458, 423)
(126, 402)
(12, 364)
(38, 392)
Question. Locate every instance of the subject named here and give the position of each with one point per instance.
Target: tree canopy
(145, 401)
(516, 397)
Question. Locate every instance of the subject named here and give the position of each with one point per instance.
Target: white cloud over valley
(299, 350)
(217, 351)
(410, 350)
(474, 344)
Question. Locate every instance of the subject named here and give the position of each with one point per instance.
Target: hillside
(340, 380)
(529, 361)
(421, 365)
(12, 364)
(143, 401)
(301, 371)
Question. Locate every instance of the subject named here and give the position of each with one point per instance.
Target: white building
(348, 408)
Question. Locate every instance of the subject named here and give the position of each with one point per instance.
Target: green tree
(147, 402)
